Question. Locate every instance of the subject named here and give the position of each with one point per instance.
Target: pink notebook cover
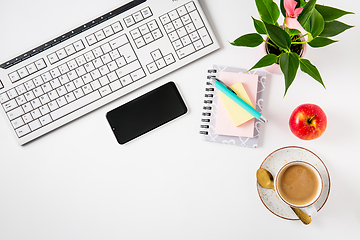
(224, 124)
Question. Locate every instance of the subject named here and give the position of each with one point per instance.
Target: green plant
(305, 22)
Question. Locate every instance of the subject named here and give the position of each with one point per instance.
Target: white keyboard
(100, 61)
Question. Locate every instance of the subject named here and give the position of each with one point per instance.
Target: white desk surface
(78, 183)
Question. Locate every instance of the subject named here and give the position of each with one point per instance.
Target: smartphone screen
(146, 112)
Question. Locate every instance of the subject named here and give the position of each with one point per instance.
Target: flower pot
(275, 68)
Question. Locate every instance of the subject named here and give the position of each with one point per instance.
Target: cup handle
(311, 210)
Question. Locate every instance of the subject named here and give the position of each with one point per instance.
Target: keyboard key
(114, 54)
(10, 105)
(91, 39)
(196, 19)
(165, 19)
(70, 50)
(45, 120)
(156, 34)
(27, 118)
(12, 93)
(70, 86)
(169, 59)
(108, 31)
(152, 67)
(181, 10)
(106, 58)
(20, 89)
(80, 71)
(104, 81)
(112, 66)
(173, 15)
(117, 42)
(138, 16)
(80, 60)
(64, 68)
(79, 45)
(104, 70)
(115, 85)
(40, 64)
(23, 72)
(34, 125)
(106, 48)
(89, 67)
(72, 75)
(138, 74)
(105, 90)
(15, 113)
(128, 53)
(20, 99)
(126, 80)
(44, 109)
(44, 99)
(205, 37)
(14, 76)
(95, 84)
(78, 82)
(144, 29)
(22, 131)
(185, 51)
(75, 105)
(146, 12)
(160, 63)
(129, 21)
(61, 101)
(100, 35)
(17, 122)
(95, 74)
(3, 97)
(135, 33)
(27, 107)
(198, 44)
(186, 19)
(112, 76)
(53, 105)
(148, 38)
(46, 76)
(35, 103)
(35, 113)
(55, 72)
(89, 56)
(78, 93)
(29, 96)
(190, 6)
(70, 97)
(140, 42)
(61, 54)
(117, 27)
(63, 79)
(152, 25)
(31, 68)
(156, 54)
(87, 89)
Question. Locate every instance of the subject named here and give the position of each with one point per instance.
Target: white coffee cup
(299, 185)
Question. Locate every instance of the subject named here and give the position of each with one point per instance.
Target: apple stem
(310, 119)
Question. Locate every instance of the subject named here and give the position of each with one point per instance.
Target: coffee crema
(298, 184)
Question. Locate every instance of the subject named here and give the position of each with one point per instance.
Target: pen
(233, 96)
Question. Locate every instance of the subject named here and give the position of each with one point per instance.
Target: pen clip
(226, 85)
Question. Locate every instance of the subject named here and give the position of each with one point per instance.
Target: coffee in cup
(298, 184)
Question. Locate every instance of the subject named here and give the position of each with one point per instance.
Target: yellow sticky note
(237, 114)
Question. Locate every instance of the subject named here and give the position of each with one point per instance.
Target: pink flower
(291, 15)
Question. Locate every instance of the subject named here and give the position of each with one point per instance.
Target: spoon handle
(306, 219)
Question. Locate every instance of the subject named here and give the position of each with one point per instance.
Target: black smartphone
(146, 112)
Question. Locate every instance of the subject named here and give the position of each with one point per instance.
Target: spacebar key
(81, 102)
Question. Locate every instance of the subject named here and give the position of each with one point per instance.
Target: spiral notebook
(212, 107)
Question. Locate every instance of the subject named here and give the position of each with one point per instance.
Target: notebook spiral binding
(209, 89)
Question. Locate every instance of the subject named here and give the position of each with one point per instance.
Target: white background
(78, 183)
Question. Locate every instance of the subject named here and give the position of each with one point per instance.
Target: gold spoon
(266, 180)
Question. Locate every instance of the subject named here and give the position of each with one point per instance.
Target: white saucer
(274, 162)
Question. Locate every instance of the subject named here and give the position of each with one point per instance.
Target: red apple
(308, 121)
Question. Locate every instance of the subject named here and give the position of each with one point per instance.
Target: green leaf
(259, 26)
(282, 8)
(267, 60)
(321, 42)
(301, 3)
(293, 32)
(248, 40)
(310, 69)
(306, 12)
(268, 10)
(315, 24)
(334, 28)
(330, 13)
(278, 36)
(289, 64)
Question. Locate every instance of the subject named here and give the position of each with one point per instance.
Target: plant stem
(301, 37)
(269, 43)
